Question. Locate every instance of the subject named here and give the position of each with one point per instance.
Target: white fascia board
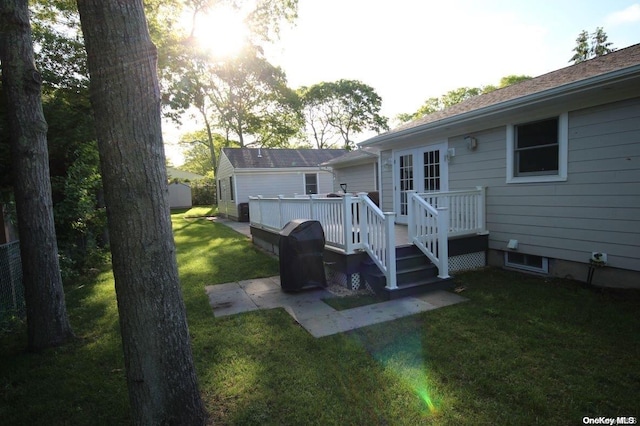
(507, 106)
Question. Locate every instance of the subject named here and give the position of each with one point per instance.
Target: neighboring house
(357, 171)
(173, 173)
(245, 172)
(179, 195)
(559, 156)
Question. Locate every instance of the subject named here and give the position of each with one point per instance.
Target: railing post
(482, 205)
(363, 222)
(311, 205)
(443, 242)
(390, 244)
(348, 224)
(280, 197)
(411, 215)
(260, 211)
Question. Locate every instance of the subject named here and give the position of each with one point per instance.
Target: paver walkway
(307, 308)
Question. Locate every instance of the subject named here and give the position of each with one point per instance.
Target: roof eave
(506, 106)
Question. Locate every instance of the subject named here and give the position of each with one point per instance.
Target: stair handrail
(428, 228)
(377, 235)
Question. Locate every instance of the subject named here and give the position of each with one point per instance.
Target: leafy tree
(202, 151)
(599, 44)
(582, 49)
(338, 110)
(250, 95)
(591, 45)
(241, 96)
(126, 101)
(47, 321)
(457, 96)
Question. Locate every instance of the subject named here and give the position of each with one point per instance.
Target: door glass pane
(432, 171)
(406, 180)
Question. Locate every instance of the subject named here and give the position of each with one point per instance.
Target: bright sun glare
(221, 31)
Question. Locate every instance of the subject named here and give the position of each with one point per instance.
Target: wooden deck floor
(402, 235)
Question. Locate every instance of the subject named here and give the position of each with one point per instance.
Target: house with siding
(355, 171)
(245, 172)
(558, 159)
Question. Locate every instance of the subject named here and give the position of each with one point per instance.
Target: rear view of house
(558, 157)
(245, 172)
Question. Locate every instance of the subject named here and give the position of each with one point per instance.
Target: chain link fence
(11, 289)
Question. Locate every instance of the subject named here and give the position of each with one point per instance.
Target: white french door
(421, 169)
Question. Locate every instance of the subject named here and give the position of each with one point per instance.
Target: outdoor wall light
(451, 152)
(472, 143)
(512, 245)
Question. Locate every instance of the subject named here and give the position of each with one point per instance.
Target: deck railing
(349, 223)
(427, 229)
(466, 209)
(356, 223)
(435, 216)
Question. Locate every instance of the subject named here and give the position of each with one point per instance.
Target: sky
(411, 50)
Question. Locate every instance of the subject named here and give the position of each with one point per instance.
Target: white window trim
(563, 155)
(543, 270)
(304, 183)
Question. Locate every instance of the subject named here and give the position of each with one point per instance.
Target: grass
(522, 350)
(198, 212)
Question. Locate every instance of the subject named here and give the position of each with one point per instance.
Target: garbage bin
(301, 247)
(243, 212)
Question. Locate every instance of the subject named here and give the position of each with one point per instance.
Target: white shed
(245, 172)
(179, 195)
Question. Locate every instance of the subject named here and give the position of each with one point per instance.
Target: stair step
(421, 287)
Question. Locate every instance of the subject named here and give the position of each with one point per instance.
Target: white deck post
(482, 205)
(280, 197)
(260, 211)
(363, 222)
(390, 244)
(312, 214)
(348, 224)
(443, 242)
(411, 216)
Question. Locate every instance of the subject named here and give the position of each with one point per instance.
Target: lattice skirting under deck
(349, 281)
(468, 261)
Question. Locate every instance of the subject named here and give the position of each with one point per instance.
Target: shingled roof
(355, 156)
(267, 158)
(614, 61)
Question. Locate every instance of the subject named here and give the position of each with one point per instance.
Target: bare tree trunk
(47, 321)
(126, 100)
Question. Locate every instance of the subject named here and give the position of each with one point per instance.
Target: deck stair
(415, 275)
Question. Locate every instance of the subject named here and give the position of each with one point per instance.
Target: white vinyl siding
(359, 178)
(597, 208)
(277, 182)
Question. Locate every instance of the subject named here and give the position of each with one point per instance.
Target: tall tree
(582, 49)
(47, 321)
(126, 100)
(591, 45)
(344, 108)
(457, 96)
(599, 44)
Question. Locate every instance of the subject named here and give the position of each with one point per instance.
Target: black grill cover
(301, 247)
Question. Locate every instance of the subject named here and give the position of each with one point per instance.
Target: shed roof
(268, 158)
(363, 155)
(599, 66)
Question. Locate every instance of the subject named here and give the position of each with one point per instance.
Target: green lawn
(523, 350)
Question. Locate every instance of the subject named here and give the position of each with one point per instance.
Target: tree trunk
(47, 321)
(126, 99)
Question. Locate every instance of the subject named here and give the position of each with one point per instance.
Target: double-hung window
(310, 183)
(537, 150)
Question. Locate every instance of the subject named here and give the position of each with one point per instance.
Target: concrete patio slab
(308, 309)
